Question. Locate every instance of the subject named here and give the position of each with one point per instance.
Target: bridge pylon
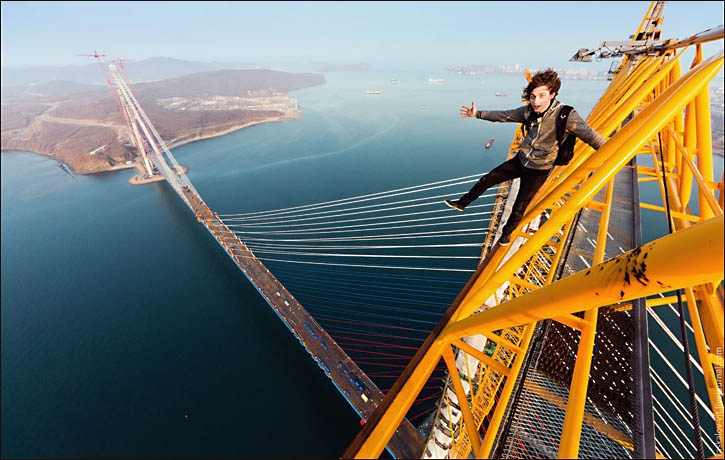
(566, 371)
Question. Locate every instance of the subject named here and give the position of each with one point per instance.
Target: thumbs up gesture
(468, 112)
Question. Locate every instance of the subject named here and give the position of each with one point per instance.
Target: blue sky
(416, 34)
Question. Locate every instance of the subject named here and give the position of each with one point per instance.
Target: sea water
(127, 332)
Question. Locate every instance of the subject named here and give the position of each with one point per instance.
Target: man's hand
(468, 113)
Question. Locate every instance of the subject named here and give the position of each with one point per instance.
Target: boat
(490, 143)
(373, 92)
(501, 94)
(435, 80)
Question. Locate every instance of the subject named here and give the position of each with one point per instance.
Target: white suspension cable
(687, 438)
(357, 201)
(667, 391)
(359, 227)
(282, 246)
(368, 266)
(343, 200)
(675, 340)
(677, 313)
(661, 432)
(450, 233)
(346, 212)
(660, 450)
(682, 380)
(274, 224)
(322, 254)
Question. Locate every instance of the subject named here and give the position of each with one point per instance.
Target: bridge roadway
(349, 379)
(357, 388)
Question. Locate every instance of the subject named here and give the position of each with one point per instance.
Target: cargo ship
(501, 94)
(373, 92)
(435, 80)
(489, 144)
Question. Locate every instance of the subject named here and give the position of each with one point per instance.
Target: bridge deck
(357, 388)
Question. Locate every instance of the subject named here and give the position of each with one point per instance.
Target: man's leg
(531, 181)
(508, 170)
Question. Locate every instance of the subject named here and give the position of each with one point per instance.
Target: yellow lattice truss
(650, 108)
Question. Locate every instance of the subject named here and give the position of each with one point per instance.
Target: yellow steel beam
(589, 419)
(508, 388)
(581, 164)
(471, 430)
(675, 214)
(704, 149)
(572, 321)
(585, 158)
(483, 357)
(710, 199)
(571, 430)
(695, 251)
(617, 152)
(661, 301)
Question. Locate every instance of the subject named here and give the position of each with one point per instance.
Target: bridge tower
(133, 123)
(567, 335)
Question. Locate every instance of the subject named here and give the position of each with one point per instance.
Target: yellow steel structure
(650, 108)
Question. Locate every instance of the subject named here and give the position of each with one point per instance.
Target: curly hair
(548, 78)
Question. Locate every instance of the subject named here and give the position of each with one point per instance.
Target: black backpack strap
(561, 122)
(527, 120)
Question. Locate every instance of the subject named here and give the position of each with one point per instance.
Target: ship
(393, 81)
(435, 80)
(489, 144)
(501, 94)
(373, 92)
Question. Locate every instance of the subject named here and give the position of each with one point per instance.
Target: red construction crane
(98, 58)
(95, 55)
(115, 96)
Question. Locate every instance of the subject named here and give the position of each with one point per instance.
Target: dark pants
(531, 180)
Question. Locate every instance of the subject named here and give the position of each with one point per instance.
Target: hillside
(87, 71)
(87, 131)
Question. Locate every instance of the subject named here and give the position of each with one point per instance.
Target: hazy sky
(414, 34)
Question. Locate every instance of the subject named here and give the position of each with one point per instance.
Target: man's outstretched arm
(577, 126)
(517, 115)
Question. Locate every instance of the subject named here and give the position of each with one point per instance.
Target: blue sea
(127, 332)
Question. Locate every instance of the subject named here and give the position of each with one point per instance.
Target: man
(537, 152)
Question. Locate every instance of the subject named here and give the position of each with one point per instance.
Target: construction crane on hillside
(98, 57)
(124, 111)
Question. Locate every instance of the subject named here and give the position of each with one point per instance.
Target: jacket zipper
(538, 134)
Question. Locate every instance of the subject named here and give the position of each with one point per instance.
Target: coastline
(174, 143)
(183, 140)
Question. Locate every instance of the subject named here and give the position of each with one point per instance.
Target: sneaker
(455, 204)
(505, 240)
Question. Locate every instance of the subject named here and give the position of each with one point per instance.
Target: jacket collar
(533, 116)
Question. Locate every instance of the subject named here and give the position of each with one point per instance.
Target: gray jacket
(539, 148)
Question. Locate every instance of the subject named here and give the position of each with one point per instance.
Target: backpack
(566, 146)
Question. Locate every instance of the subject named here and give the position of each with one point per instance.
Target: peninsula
(87, 132)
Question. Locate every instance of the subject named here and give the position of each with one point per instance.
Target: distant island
(345, 68)
(569, 74)
(82, 126)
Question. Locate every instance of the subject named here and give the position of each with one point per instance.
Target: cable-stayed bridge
(449, 345)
